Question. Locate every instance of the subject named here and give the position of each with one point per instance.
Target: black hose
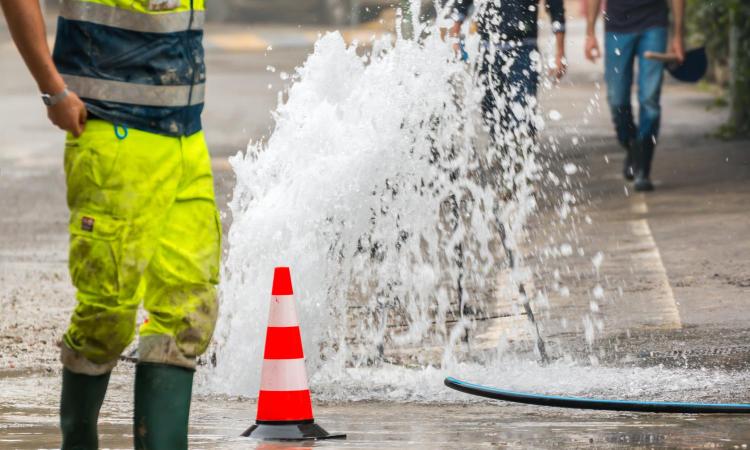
(596, 404)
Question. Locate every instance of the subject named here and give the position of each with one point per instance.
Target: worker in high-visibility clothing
(127, 81)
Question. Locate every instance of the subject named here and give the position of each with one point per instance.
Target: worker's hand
(69, 114)
(678, 47)
(591, 48)
(454, 34)
(560, 68)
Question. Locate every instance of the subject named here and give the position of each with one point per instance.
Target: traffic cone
(284, 406)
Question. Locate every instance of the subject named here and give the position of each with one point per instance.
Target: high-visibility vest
(138, 63)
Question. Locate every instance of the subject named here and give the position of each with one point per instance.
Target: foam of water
(370, 188)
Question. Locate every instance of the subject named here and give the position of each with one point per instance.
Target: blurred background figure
(509, 61)
(632, 28)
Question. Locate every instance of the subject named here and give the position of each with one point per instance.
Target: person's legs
(163, 394)
(180, 298)
(619, 55)
(490, 78)
(511, 75)
(110, 185)
(650, 78)
(521, 65)
(81, 400)
(521, 87)
(492, 81)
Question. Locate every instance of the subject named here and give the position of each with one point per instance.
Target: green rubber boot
(82, 397)
(162, 406)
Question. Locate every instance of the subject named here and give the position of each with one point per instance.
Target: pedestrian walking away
(634, 28)
(126, 81)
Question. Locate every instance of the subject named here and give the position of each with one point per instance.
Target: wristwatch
(52, 100)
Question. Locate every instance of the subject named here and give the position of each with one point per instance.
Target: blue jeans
(621, 51)
(510, 78)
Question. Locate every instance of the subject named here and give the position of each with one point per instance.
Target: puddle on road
(28, 419)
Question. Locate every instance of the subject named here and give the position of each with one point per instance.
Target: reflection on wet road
(28, 419)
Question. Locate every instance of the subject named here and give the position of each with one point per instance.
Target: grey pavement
(676, 274)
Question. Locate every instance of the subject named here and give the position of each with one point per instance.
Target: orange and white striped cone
(284, 406)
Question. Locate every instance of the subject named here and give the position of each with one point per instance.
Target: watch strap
(52, 100)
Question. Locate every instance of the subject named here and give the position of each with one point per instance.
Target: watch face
(47, 100)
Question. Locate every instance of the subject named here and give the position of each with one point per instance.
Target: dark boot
(82, 397)
(645, 154)
(162, 406)
(628, 171)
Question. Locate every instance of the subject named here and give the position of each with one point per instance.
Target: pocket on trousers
(95, 253)
(90, 159)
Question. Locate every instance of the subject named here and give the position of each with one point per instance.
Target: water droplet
(597, 260)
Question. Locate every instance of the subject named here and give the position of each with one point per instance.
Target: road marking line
(639, 207)
(649, 258)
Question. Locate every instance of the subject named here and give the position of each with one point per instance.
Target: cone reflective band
(284, 406)
(284, 395)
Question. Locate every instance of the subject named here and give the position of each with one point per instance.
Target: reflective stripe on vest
(100, 14)
(139, 63)
(136, 94)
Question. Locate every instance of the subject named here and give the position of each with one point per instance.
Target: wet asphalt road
(679, 255)
(217, 423)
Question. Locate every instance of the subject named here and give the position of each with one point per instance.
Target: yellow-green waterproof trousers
(143, 228)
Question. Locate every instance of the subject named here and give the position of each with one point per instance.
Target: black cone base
(290, 432)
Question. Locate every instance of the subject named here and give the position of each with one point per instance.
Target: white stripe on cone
(283, 375)
(282, 312)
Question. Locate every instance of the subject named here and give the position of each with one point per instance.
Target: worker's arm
(591, 47)
(556, 11)
(678, 36)
(27, 27)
